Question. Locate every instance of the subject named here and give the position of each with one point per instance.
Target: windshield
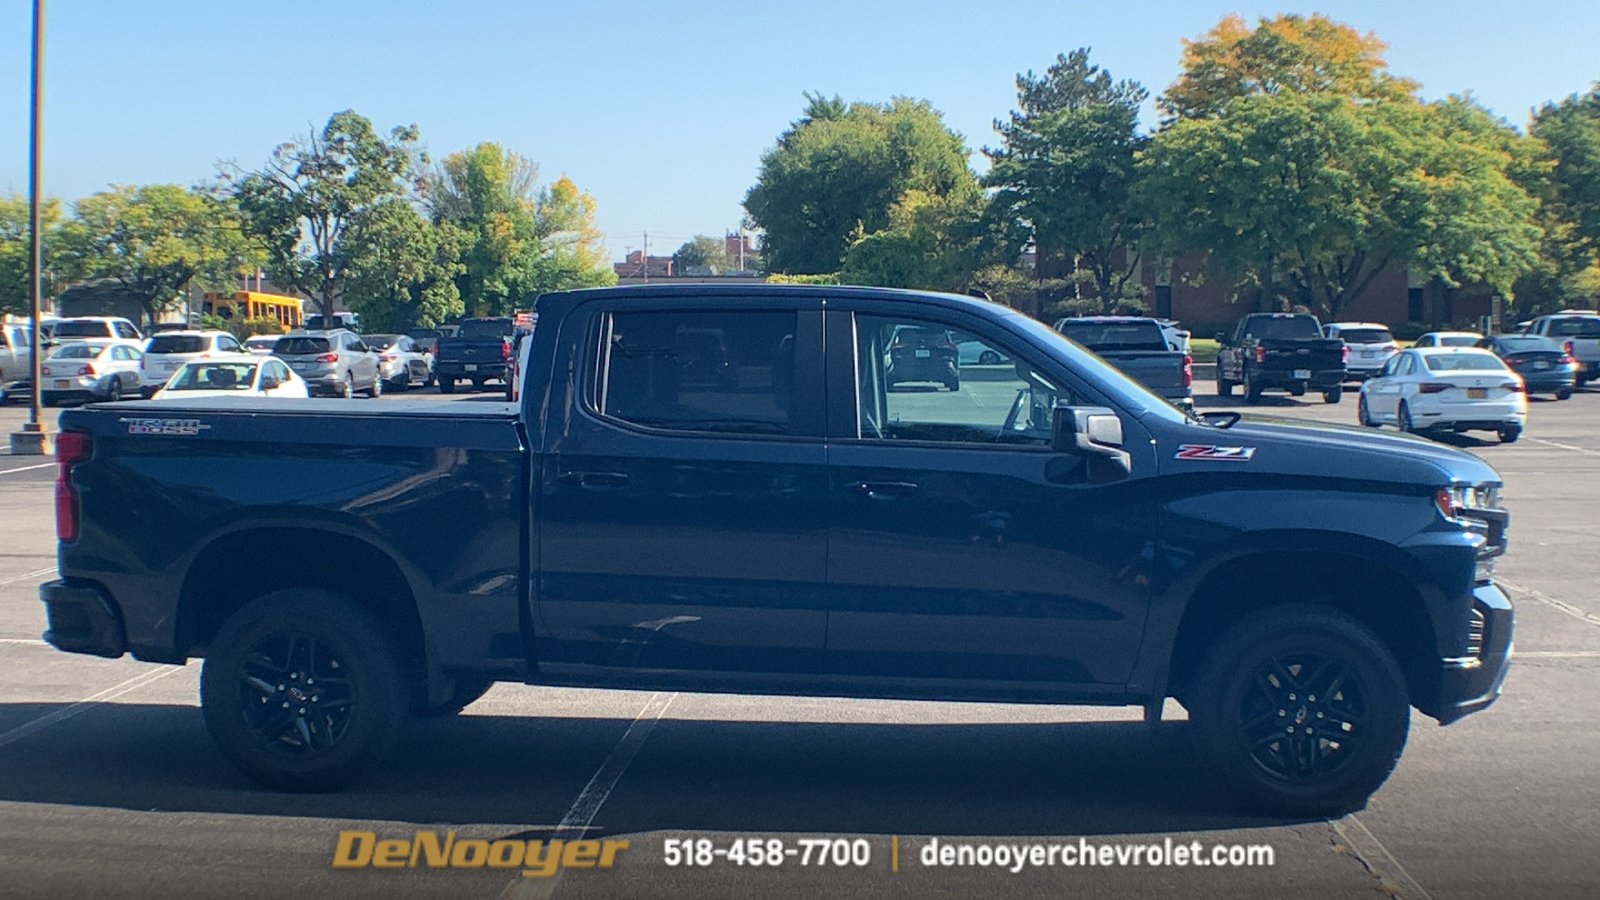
(1114, 336)
(214, 377)
(78, 350)
(82, 329)
(1458, 340)
(485, 328)
(1102, 375)
(300, 346)
(1577, 326)
(1522, 344)
(177, 343)
(1367, 336)
(1283, 327)
(1463, 362)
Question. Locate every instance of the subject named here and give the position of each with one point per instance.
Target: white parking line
(86, 704)
(20, 641)
(27, 468)
(1561, 605)
(1393, 879)
(581, 815)
(1555, 654)
(1565, 446)
(26, 575)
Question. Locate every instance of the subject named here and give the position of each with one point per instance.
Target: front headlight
(1455, 500)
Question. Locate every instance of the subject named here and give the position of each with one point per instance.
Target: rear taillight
(1344, 354)
(44, 370)
(71, 447)
(86, 370)
(1567, 348)
(505, 349)
(328, 357)
(1433, 387)
(387, 357)
(1515, 359)
(1567, 360)
(1514, 387)
(1188, 370)
(1261, 354)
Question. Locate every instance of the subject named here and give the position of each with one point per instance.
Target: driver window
(921, 380)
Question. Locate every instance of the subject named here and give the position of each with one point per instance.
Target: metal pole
(35, 238)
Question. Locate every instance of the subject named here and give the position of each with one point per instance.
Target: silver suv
(335, 363)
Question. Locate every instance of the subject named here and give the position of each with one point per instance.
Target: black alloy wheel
(301, 690)
(1302, 709)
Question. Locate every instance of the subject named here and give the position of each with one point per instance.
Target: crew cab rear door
(961, 545)
(681, 490)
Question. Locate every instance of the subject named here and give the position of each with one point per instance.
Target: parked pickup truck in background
(1140, 349)
(1578, 333)
(477, 352)
(1280, 351)
(1051, 532)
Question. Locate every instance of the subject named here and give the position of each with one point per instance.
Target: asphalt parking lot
(110, 786)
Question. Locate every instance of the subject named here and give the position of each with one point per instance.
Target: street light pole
(33, 438)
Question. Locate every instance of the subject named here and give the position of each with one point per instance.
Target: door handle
(885, 490)
(594, 481)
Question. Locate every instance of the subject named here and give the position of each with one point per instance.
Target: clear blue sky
(661, 110)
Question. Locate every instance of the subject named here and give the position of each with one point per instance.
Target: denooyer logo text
(537, 859)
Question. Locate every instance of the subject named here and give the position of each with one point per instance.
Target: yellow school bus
(255, 305)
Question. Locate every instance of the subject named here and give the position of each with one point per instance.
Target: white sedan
(238, 376)
(1447, 388)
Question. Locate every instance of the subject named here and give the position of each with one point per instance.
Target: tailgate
(1161, 369)
(1317, 355)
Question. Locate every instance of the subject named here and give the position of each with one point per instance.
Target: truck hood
(1280, 446)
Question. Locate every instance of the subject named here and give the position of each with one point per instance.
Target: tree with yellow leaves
(1285, 54)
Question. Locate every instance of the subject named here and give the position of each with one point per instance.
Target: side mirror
(1222, 337)
(1095, 433)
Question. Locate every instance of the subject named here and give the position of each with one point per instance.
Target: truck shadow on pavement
(691, 774)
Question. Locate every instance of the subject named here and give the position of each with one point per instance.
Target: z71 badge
(181, 427)
(1206, 451)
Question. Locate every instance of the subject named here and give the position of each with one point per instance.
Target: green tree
(1066, 168)
(1289, 54)
(519, 238)
(1314, 195)
(403, 267)
(14, 296)
(932, 242)
(703, 251)
(154, 240)
(313, 190)
(1567, 183)
(837, 171)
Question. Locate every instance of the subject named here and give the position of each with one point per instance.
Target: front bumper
(1470, 683)
(83, 619)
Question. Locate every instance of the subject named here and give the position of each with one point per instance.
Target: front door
(681, 506)
(961, 546)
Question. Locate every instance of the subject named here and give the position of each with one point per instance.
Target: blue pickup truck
(709, 488)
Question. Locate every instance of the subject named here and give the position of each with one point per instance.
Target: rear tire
(988, 358)
(1252, 391)
(376, 390)
(1301, 709)
(302, 691)
(1564, 393)
(114, 392)
(1402, 419)
(1333, 396)
(447, 385)
(1224, 386)
(1509, 435)
(348, 389)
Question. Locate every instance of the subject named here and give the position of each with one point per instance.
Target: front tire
(301, 690)
(1363, 414)
(1302, 710)
(376, 389)
(1224, 386)
(988, 358)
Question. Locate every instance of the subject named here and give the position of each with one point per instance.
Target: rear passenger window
(716, 371)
